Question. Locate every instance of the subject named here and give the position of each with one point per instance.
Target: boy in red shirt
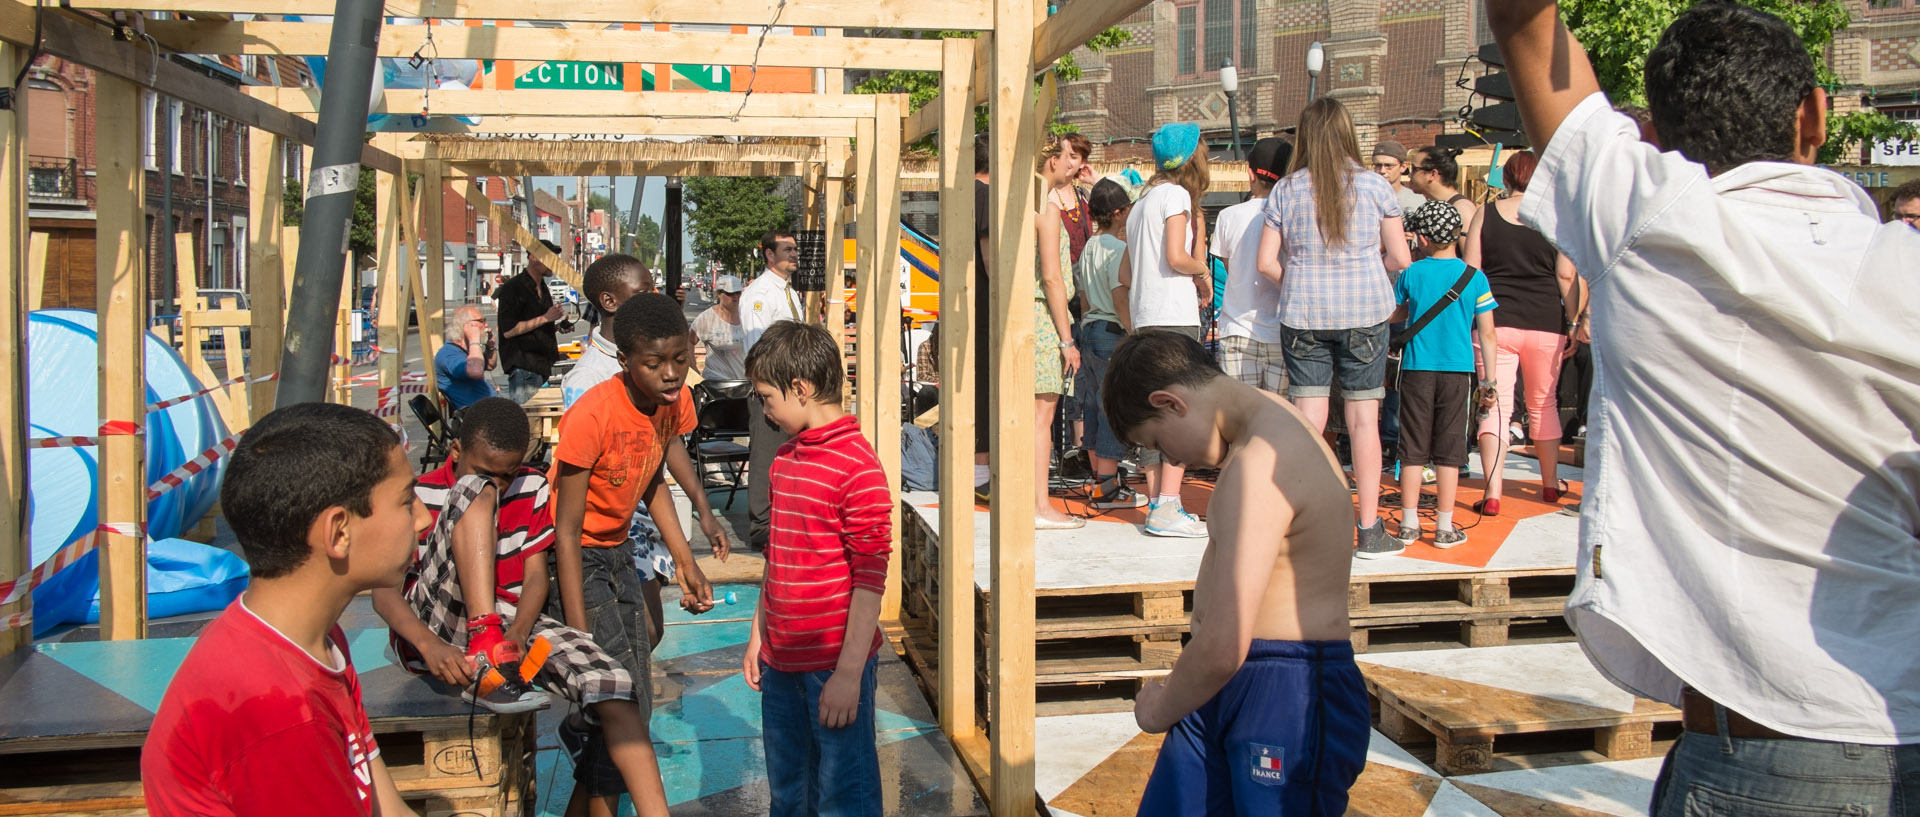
(264, 715)
(613, 441)
(811, 654)
(480, 577)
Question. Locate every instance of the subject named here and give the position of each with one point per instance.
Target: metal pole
(332, 180)
(672, 262)
(164, 113)
(1233, 120)
(1313, 83)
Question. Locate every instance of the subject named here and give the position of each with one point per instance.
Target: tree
(728, 216)
(645, 244)
(362, 239)
(922, 86)
(1618, 34)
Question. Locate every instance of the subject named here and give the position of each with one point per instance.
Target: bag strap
(1404, 336)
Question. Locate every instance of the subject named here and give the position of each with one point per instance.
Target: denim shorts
(1711, 775)
(1316, 358)
(1097, 340)
(617, 619)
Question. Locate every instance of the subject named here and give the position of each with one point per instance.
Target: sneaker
(1570, 509)
(1074, 466)
(502, 690)
(983, 493)
(1454, 536)
(1407, 536)
(1172, 520)
(1376, 544)
(1119, 497)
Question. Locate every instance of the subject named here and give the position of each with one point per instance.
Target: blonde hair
(1328, 146)
(1192, 175)
(1051, 148)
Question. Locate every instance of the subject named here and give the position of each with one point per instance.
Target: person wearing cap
(719, 330)
(1390, 161)
(529, 328)
(1160, 284)
(1249, 325)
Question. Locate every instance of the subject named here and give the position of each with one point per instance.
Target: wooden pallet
(1483, 606)
(1473, 725)
(432, 762)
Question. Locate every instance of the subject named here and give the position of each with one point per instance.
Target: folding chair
(721, 408)
(439, 432)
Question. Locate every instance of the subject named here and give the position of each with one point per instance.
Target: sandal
(1487, 507)
(1552, 493)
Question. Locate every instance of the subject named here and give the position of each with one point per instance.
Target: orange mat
(1521, 500)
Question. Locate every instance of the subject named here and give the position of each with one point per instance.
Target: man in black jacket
(530, 323)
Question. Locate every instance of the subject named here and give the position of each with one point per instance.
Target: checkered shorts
(577, 668)
(1260, 365)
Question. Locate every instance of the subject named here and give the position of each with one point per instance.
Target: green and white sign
(707, 77)
(558, 75)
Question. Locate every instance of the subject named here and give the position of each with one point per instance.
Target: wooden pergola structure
(841, 139)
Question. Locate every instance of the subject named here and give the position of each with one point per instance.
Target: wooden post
(16, 552)
(391, 292)
(433, 294)
(959, 371)
(36, 270)
(866, 235)
(1010, 685)
(833, 213)
(120, 259)
(889, 117)
(266, 184)
(343, 335)
(192, 320)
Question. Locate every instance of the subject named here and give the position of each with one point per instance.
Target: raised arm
(1550, 71)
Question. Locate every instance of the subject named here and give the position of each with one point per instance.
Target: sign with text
(812, 274)
(1896, 153)
(559, 75)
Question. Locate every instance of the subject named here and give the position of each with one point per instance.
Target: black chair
(721, 409)
(439, 432)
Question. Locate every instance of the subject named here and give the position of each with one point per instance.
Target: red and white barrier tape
(232, 381)
(173, 479)
(389, 404)
(18, 588)
(110, 428)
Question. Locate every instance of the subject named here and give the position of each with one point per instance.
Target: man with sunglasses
(768, 300)
(463, 360)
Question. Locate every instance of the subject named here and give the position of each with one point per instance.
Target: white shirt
(726, 346)
(1250, 308)
(768, 299)
(1752, 524)
(1158, 295)
(598, 364)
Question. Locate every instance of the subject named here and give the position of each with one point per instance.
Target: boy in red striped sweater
(816, 632)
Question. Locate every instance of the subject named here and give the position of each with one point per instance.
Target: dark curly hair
(648, 316)
(499, 422)
(293, 465)
(603, 275)
(1725, 83)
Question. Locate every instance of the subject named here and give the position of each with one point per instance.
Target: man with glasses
(1390, 160)
(463, 360)
(768, 300)
(1906, 203)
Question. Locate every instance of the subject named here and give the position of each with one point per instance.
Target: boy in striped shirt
(816, 632)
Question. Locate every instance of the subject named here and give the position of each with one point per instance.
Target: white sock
(1166, 498)
(1443, 521)
(1409, 520)
(982, 473)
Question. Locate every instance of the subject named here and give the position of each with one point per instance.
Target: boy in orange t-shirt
(613, 441)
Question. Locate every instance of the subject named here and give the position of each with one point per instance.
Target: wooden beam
(959, 376)
(541, 167)
(833, 210)
(186, 267)
(590, 152)
(888, 364)
(1071, 27)
(36, 270)
(120, 251)
(1010, 685)
(266, 183)
(866, 233)
(601, 103)
(432, 294)
(902, 14)
(343, 334)
(16, 549)
(67, 36)
(542, 44)
(820, 127)
(391, 286)
(502, 219)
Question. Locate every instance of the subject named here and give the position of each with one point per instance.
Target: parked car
(561, 291)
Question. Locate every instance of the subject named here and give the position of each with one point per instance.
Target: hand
(839, 699)
(448, 663)
(716, 535)
(696, 594)
(1489, 398)
(750, 663)
(1070, 356)
(519, 636)
(474, 335)
(554, 313)
(1146, 708)
(1583, 331)
(1567, 348)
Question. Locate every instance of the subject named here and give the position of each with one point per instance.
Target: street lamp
(1230, 83)
(1316, 59)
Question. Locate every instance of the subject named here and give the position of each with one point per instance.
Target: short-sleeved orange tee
(622, 450)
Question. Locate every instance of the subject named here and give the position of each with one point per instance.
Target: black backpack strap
(1402, 337)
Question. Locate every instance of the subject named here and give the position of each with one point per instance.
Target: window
(480, 232)
(482, 184)
(1211, 31)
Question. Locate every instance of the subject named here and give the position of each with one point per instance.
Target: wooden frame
(305, 101)
(120, 259)
(821, 127)
(904, 14)
(16, 553)
(959, 378)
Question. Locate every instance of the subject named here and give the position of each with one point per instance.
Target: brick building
(1878, 58)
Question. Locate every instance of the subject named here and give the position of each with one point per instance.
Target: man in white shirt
(770, 298)
(1250, 350)
(1750, 543)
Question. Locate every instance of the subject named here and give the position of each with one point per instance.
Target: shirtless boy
(1265, 711)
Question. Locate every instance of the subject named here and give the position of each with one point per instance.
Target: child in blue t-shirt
(1438, 368)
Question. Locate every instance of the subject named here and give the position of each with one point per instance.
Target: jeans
(1097, 340)
(1354, 358)
(813, 770)
(1715, 776)
(522, 385)
(617, 619)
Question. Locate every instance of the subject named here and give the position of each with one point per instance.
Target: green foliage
(293, 204)
(645, 244)
(364, 238)
(1618, 34)
(728, 215)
